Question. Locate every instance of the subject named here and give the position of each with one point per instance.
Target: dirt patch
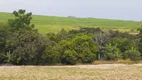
(75, 72)
(98, 66)
(81, 66)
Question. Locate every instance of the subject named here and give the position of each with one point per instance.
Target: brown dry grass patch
(77, 72)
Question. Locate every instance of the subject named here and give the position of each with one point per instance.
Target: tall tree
(22, 20)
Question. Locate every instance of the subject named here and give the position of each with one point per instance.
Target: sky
(108, 9)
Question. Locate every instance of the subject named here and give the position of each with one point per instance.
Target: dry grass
(127, 61)
(104, 62)
(77, 72)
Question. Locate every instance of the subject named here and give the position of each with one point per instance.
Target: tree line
(22, 44)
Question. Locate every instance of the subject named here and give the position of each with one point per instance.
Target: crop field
(47, 24)
(77, 72)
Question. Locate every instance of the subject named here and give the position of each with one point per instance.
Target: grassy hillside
(54, 24)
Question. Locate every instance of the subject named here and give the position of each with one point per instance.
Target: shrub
(50, 55)
(111, 52)
(25, 47)
(69, 57)
(85, 47)
(82, 45)
(140, 48)
(123, 43)
(133, 55)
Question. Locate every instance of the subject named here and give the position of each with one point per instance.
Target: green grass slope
(54, 24)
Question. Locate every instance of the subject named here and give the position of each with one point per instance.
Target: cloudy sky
(110, 9)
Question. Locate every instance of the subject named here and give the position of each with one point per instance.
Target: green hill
(54, 24)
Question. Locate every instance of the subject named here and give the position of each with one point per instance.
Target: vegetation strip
(22, 44)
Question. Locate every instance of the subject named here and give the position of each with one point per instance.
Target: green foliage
(83, 45)
(3, 36)
(140, 48)
(62, 35)
(140, 40)
(85, 48)
(111, 52)
(140, 30)
(50, 54)
(123, 43)
(21, 21)
(133, 55)
(21, 44)
(25, 46)
(119, 34)
(69, 57)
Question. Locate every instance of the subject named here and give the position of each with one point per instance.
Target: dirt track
(99, 66)
(83, 66)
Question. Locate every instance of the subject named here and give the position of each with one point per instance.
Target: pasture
(47, 24)
(77, 72)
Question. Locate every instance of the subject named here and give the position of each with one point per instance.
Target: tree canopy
(21, 44)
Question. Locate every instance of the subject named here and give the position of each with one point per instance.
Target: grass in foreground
(78, 72)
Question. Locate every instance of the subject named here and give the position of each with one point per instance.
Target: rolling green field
(54, 24)
(77, 72)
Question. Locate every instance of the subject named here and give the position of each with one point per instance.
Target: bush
(50, 55)
(140, 48)
(111, 52)
(85, 47)
(25, 47)
(133, 55)
(82, 45)
(86, 56)
(69, 57)
(123, 43)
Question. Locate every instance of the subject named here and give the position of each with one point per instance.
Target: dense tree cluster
(21, 44)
